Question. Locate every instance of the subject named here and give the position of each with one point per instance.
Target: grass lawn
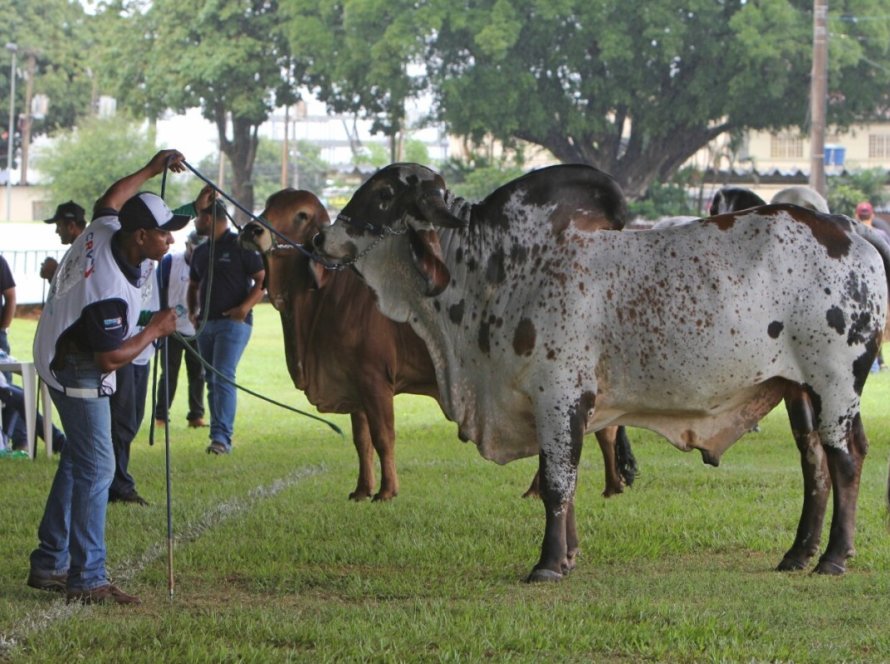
(273, 563)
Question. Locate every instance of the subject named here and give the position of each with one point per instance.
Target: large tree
(636, 87)
(53, 38)
(228, 57)
(361, 56)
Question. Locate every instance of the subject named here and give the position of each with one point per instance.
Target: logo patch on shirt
(112, 323)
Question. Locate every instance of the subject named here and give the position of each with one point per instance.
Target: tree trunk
(241, 150)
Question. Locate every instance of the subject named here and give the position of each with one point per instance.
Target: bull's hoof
(384, 497)
(570, 561)
(359, 496)
(539, 575)
(830, 568)
(612, 490)
(791, 565)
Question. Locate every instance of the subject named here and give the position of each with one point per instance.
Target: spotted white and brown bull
(349, 358)
(539, 333)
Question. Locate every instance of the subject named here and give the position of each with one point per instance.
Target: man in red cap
(865, 213)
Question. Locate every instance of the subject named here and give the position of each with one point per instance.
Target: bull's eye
(385, 197)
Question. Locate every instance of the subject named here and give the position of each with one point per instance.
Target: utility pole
(26, 118)
(12, 48)
(819, 96)
(285, 149)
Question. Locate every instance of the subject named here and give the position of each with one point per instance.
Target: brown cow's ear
(428, 260)
(320, 275)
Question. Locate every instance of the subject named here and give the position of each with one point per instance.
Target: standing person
(88, 330)
(173, 276)
(70, 222)
(235, 284)
(128, 410)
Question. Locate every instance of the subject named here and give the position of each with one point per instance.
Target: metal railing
(25, 265)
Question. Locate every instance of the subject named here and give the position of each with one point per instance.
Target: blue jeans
(4, 346)
(221, 343)
(175, 349)
(13, 399)
(72, 531)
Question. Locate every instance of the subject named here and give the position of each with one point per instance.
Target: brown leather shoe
(101, 595)
(54, 583)
(197, 423)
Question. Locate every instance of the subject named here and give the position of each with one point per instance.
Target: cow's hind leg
(361, 438)
(816, 483)
(845, 466)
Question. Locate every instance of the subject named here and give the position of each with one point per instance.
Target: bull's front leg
(561, 441)
(361, 438)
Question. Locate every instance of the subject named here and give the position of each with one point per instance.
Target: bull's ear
(427, 253)
(431, 204)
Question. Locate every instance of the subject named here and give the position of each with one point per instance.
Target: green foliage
(227, 57)
(416, 152)
(670, 199)
(272, 563)
(478, 176)
(662, 200)
(372, 154)
(846, 191)
(58, 33)
(81, 164)
(359, 54)
(637, 87)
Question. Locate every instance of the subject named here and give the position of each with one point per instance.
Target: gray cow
(540, 331)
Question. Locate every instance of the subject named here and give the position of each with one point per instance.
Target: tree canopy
(227, 57)
(53, 40)
(81, 164)
(637, 87)
(361, 56)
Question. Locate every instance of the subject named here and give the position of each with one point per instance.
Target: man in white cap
(88, 329)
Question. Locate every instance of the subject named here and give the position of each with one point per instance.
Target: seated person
(13, 399)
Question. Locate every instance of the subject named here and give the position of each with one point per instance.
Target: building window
(786, 146)
(878, 146)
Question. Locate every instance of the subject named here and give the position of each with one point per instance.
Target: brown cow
(349, 358)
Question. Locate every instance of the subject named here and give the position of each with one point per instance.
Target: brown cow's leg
(815, 483)
(572, 547)
(845, 466)
(361, 438)
(607, 438)
(381, 421)
(534, 489)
